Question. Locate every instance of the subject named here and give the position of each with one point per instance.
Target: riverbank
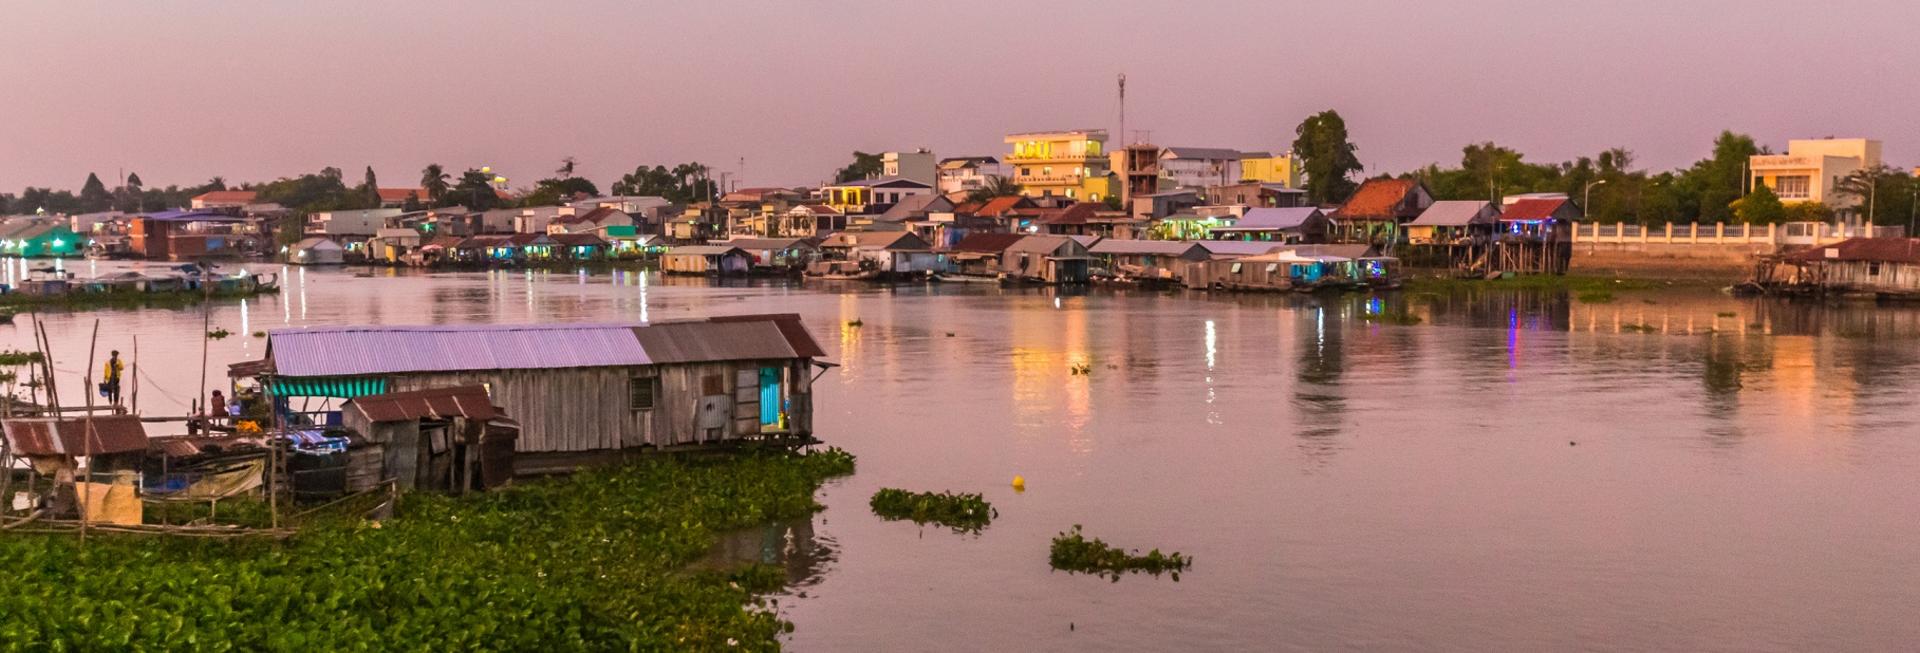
(594, 561)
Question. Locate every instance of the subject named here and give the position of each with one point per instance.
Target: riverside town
(709, 335)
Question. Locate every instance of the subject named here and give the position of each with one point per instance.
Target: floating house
(1881, 267)
(778, 254)
(888, 252)
(979, 255)
(40, 239)
(1145, 260)
(578, 394)
(1047, 259)
(1453, 234)
(318, 250)
(717, 260)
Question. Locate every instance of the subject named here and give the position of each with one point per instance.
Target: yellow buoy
(1019, 483)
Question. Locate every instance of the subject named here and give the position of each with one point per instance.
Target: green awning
(340, 387)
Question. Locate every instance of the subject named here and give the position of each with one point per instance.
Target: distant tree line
(1714, 189)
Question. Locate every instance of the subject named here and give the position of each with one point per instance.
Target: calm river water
(1516, 472)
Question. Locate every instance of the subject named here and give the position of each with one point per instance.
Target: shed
(444, 437)
(1301, 224)
(318, 250)
(1158, 260)
(1047, 259)
(721, 260)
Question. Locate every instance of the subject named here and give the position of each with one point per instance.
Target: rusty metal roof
(469, 401)
(1881, 250)
(69, 436)
(362, 350)
(790, 326)
(743, 337)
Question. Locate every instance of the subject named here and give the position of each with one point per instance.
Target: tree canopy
(864, 165)
(687, 182)
(1327, 157)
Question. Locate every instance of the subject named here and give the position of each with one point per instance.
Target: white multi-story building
(1199, 167)
(1811, 169)
(968, 173)
(917, 165)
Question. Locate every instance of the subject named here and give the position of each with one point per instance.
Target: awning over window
(341, 387)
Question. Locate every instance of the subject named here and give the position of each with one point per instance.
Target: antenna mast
(1123, 111)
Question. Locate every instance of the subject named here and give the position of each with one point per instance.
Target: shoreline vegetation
(598, 560)
(20, 302)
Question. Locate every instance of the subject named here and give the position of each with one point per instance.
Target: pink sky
(182, 91)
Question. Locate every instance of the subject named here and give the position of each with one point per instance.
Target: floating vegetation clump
(1073, 552)
(259, 334)
(594, 561)
(1595, 297)
(1401, 318)
(855, 322)
(964, 513)
(1726, 314)
(219, 333)
(1639, 328)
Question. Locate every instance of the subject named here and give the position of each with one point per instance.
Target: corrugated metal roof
(360, 350)
(986, 243)
(1455, 213)
(703, 250)
(42, 436)
(1149, 247)
(434, 403)
(1237, 248)
(1883, 250)
(1276, 218)
(694, 342)
(1532, 209)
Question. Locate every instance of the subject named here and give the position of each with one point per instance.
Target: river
(1673, 469)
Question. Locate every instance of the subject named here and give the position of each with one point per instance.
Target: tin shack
(577, 392)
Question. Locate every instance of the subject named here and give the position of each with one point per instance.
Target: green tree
(1808, 212)
(1760, 207)
(1707, 190)
(864, 166)
(1327, 156)
(94, 195)
(475, 191)
(1883, 194)
(370, 190)
(133, 181)
(434, 179)
(996, 186)
(553, 191)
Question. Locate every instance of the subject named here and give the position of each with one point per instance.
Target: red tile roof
(1079, 213)
(997, 206)
(986, 243)
(401, 194)
(1378, 199)
(1872, 250)
(470, 402)
(1532, 209)
(226, 197)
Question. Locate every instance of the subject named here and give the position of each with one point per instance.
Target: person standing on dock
(111, 378)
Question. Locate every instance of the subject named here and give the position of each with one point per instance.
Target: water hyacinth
(593, 561)
(1073, 552)
(964, 513)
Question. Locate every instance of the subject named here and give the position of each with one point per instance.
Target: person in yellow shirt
(110, 376)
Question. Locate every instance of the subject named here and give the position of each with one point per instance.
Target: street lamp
(1586, 195)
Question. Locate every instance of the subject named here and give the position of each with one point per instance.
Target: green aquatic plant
(1726, 314)
(1401, 318)
(964, 513)
(855, 322)
(1594, 297)
(1073, 552)
(259, 334)
(592, 561)
(219, 333)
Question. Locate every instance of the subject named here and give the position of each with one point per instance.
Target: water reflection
(792, 545)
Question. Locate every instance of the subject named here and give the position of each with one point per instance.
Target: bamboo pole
(136, 375)
(86, 446)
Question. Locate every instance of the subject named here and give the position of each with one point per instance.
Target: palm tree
(996, 186)
(434, 179)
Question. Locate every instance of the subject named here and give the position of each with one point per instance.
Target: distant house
(316, 250)
(980, 254)
(361, 224)
(1300, 224)
(391, 245)
(778, 253)
(1452, 222)
(1378, 212)
(1199, 167)
(580, 247)
(715, 260)
(968, 173)
(602, 221)
(188, 235)
(1885, 266)
(1255, 194)
(858, 194)
(811, 221)
(632, 205)
(222, 199)
(899, 252)
(33, 238)
(1149, 260)
(1154, 206)
(397, 197)
(1047, 259)
(1535, 235)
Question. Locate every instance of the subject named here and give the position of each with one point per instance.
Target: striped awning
(341, 387)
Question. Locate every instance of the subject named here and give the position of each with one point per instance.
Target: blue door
(769, 395)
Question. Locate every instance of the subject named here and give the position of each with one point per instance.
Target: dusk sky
(183, 91)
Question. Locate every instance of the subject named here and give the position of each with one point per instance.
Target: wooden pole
(86, 446)
(136, 375)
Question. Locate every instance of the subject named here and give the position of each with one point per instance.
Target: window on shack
(640, 393)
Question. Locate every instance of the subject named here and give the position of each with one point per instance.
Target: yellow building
(1283, 168)
(1071, 164)
(1810, 169)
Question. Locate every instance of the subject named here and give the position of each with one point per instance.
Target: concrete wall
(1729, 261)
